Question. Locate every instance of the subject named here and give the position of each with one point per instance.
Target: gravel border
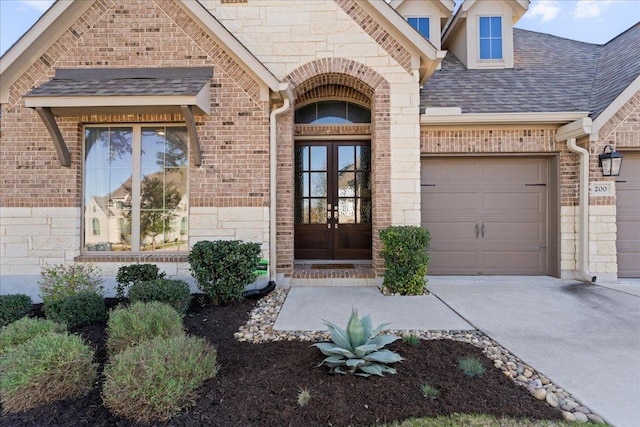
(259, 329)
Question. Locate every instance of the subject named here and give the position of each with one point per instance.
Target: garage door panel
(510, 203)
(506, 195)
(525, 262)
(628, 216)
(519, 233)
(452, 231)
(523, 172)
(444, 201)
(459, 260)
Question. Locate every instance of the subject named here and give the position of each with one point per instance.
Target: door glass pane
(363, 157)
(301, 211)
(318, 184)
(364, 211)
(346, 158)
(363, 184)
(302, 185)
(346, 184)
(302, 158)
(318, 211)
(318, 158)
(347, 211)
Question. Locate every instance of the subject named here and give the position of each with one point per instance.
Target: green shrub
(429, 391)
(60, 280)
(13, 307)
(26, 329)
(471, 366)
(80, 309)
(140, 322)
(128, 275)
(176, 293)
(411, 339)
(406, 258)
(157, 379)
(45, 369)
(358, 348)
(223, 268)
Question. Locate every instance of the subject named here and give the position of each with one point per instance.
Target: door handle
(483, 230)
(477, 230)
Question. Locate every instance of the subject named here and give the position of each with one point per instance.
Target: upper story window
(490, 37)
(332, 113)
(421, 25)
(135, 188)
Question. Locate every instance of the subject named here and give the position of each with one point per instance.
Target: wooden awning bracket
(52, 126)
(189, 120)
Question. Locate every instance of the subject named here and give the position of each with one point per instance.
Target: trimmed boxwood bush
(80, 309)
(223, 268)
(176, 293)
(140, 322)
(157, 379)
(129, 275)
(26, 329)
(45, 369)
(13, 307)
(405, 258)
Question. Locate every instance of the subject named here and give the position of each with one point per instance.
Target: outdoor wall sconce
(610, 161)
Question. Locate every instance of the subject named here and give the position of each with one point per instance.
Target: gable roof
(551, 74)
(618, 66)
(57, 19)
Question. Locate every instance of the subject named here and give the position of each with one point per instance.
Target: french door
(332, 206)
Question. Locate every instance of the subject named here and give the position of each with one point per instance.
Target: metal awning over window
(74, 92)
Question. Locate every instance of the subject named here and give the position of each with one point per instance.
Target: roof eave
(391, 21)
(613, 108)
(36, 41)
(454, 116)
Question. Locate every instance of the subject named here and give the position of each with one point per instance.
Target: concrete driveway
(586, 338)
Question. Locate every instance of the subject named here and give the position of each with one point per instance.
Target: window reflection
(155, 197)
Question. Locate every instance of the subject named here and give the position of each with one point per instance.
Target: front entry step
(335, 274)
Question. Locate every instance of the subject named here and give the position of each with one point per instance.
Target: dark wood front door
(332, 208)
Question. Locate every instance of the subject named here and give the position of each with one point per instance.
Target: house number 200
(601, 189)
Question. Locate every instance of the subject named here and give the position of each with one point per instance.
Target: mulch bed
(257, 385)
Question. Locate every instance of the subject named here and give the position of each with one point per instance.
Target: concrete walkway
(306, 308)
(586, 338)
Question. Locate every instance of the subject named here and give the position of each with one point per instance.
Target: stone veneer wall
(40, 201)
(314, 44)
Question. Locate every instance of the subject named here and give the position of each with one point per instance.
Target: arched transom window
(332, 113)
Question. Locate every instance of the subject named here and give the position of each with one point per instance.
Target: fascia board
(26, 51)
(445, 6)
(444, 117)
(613, 108)
(232, 45)
(73, 103)
(398, 26)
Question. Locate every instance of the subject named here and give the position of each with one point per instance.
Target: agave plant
(358, 349)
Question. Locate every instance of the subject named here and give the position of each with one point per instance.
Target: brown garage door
(628, 216)
(486, 215)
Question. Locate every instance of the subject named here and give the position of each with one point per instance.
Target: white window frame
(491, 60)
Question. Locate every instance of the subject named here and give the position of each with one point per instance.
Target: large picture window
(135, 188)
